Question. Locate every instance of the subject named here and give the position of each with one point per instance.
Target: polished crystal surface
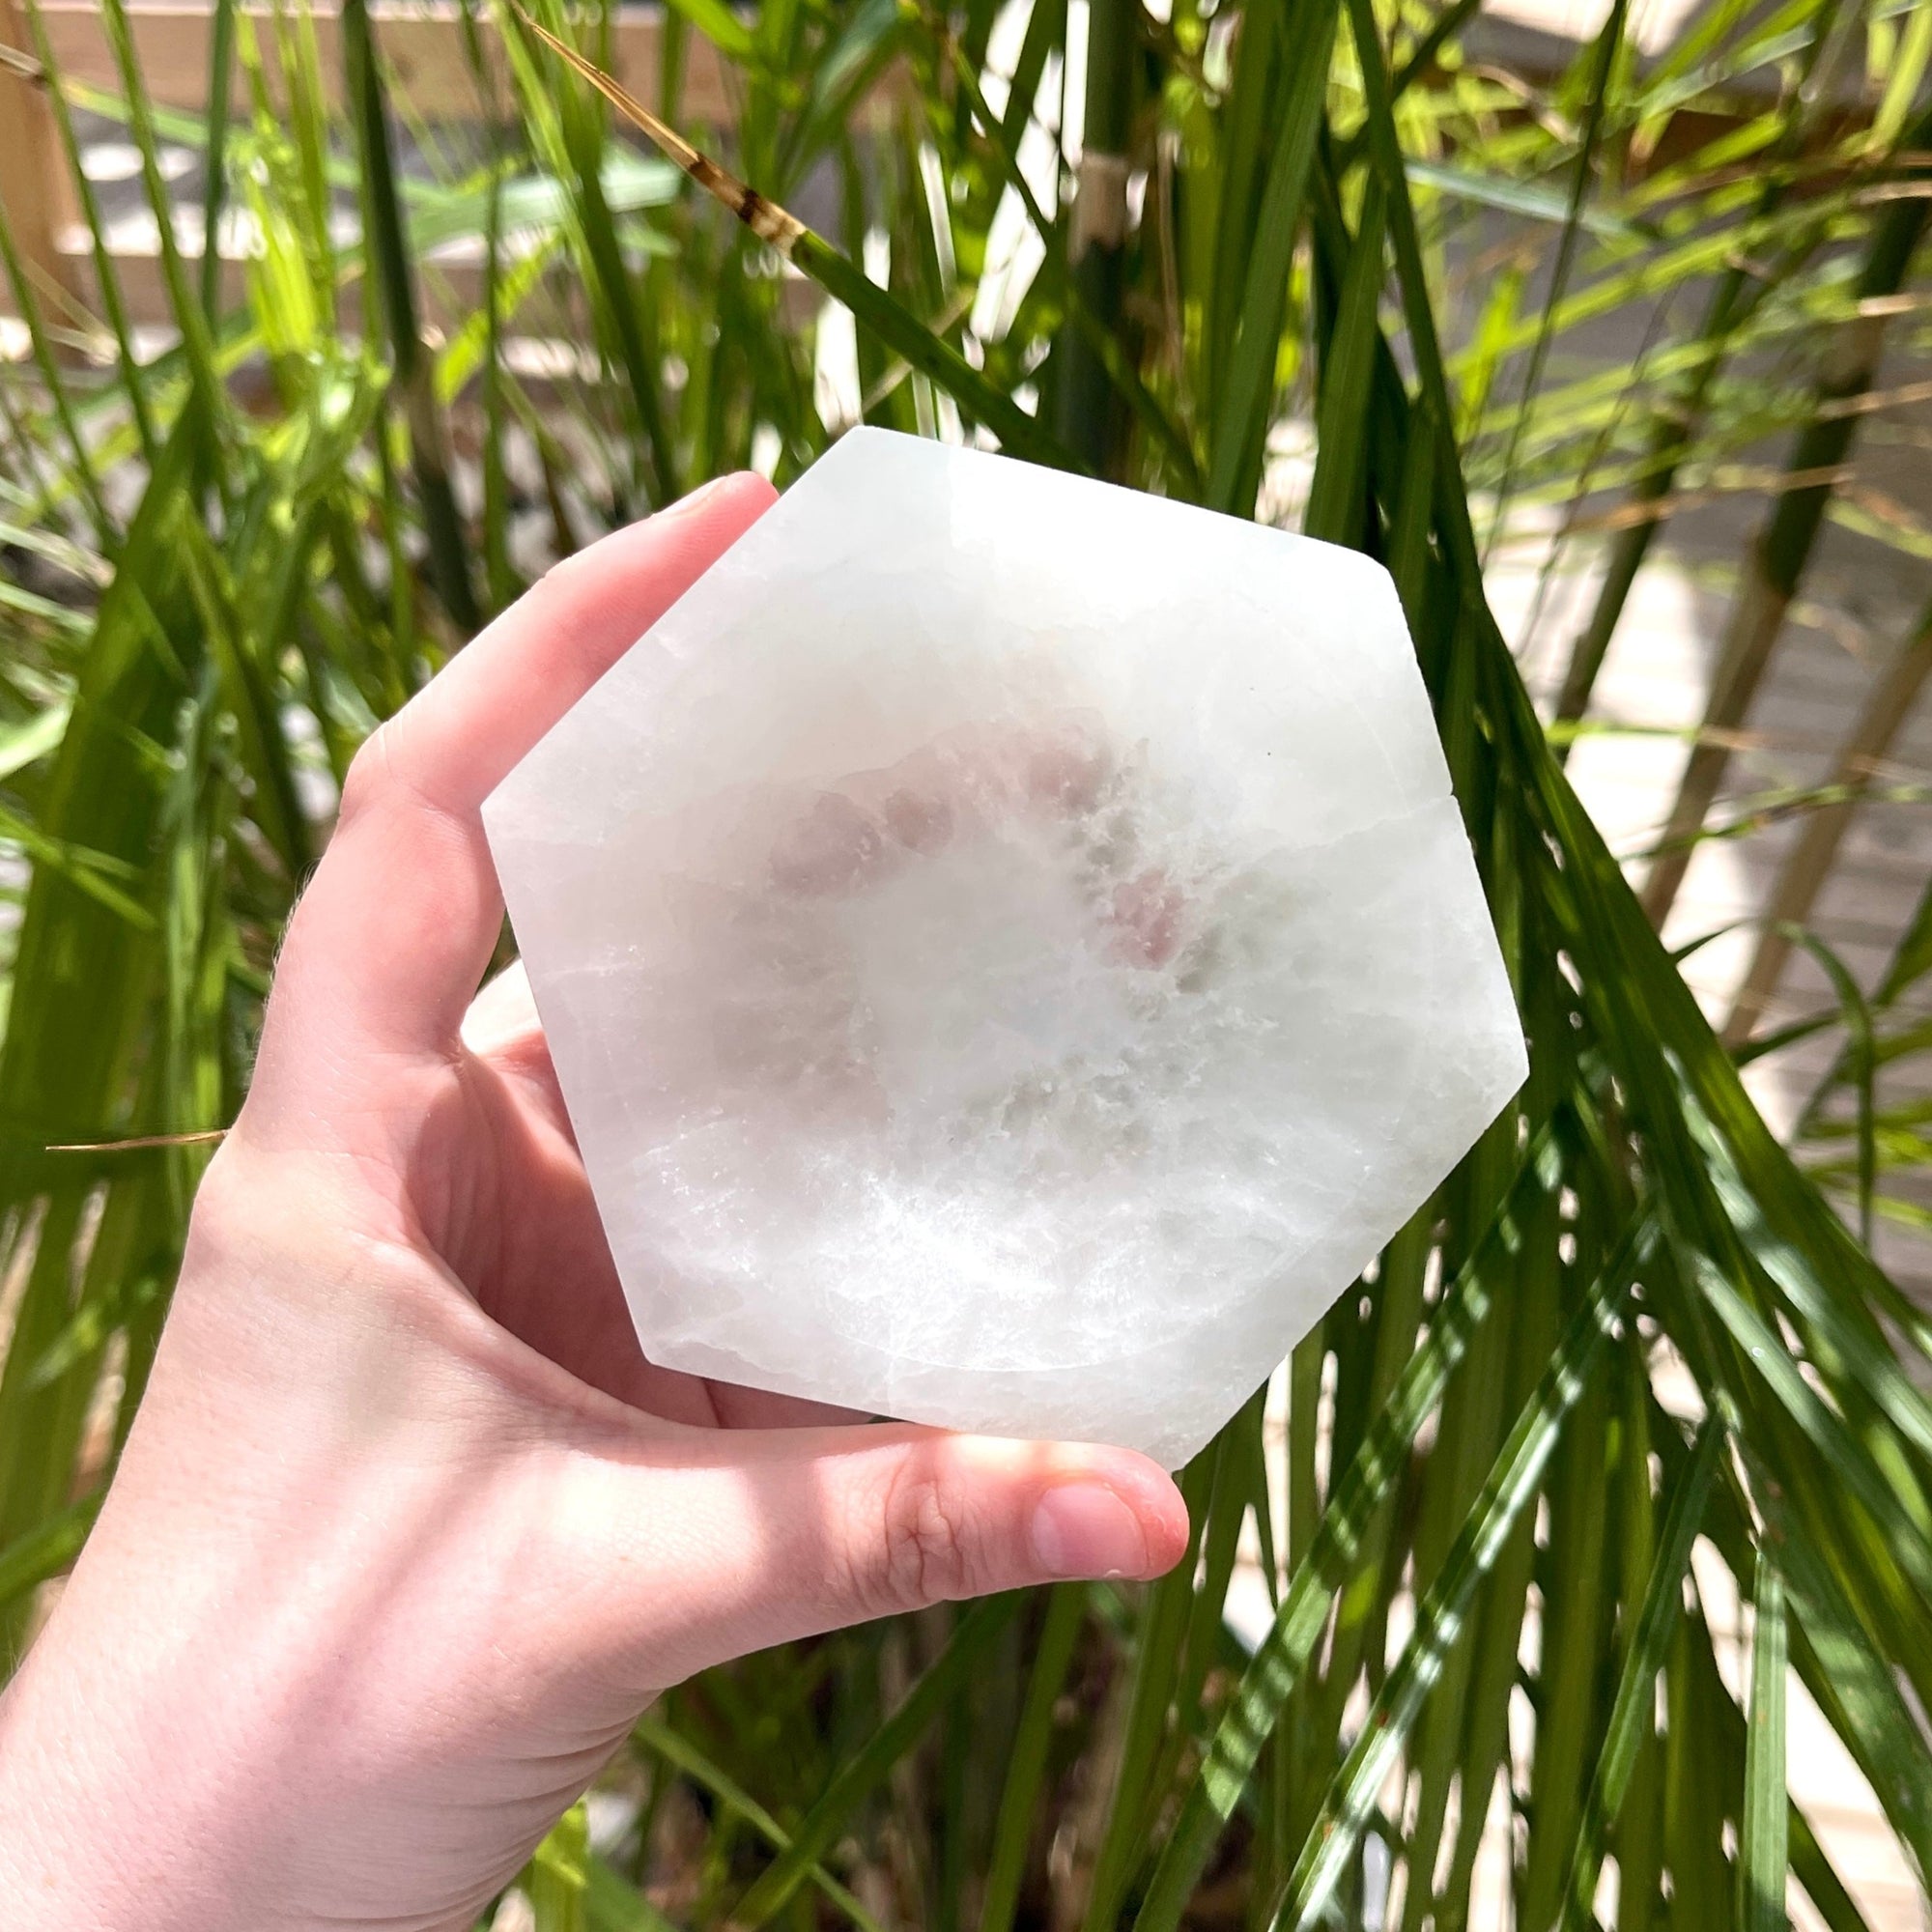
(1009, 946)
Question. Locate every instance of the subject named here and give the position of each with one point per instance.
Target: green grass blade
(1354, 1796)
(1860, 1695)
(1157, 1658)
(577, 137)
(78, 466)
(822, 1826)
(555, 1881)
(614, 1905)
(1822, 1884)
(1843, 1452)
(1235, 450)
(391, 260)
(1165, 432)
(1335, 504)
(187, 315)
(1331, 1555)
(877, 310)
(214, 157)
(250, 700)
(1465, 1733)
(718, 25)
(1574, 1656)
(1026, 1763)
(134, 385)
(683, 1755)
(1763, 1855)
(1633, 1713)
(1089, 416)
(1443, 29)
(1861, 1064)
(906, 336)
(1609, 43)
(45, 1550)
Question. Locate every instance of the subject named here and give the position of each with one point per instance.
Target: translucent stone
(1009, 949)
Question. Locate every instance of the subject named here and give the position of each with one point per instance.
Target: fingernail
(1083, 1529)
(703, 494)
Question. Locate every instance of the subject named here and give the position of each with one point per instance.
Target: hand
(407, 1531)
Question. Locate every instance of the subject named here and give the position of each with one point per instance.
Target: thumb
(725, 1542)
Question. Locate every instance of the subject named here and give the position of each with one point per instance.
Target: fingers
(458, 738)
(393, 935)
(752, 1539)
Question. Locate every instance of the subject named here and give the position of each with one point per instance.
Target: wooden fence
(422, 45)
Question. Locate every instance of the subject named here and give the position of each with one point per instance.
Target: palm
(497, 1186)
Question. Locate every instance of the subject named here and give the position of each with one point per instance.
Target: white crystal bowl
(1009, 948)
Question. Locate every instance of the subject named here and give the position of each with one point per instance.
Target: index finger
(457, 739)
(393, 934)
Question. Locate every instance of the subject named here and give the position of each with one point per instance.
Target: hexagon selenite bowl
(1009, 946)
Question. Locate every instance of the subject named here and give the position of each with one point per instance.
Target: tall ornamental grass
(1146, 242)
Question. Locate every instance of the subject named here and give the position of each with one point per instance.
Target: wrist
(130, 1798)
(67, 1823)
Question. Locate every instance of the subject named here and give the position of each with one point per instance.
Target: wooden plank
(33, 183)
(423, 45)
(453, 290)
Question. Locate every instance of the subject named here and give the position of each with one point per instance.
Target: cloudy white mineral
(1009, 948)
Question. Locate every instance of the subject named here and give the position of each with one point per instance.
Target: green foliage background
(1627, 1322)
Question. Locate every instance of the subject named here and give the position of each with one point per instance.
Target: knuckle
(222, 1203)
(559, 576)
(368, 779)
(927, 1550)
(232, 1233)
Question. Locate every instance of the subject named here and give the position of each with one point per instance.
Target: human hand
(407, 1531)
